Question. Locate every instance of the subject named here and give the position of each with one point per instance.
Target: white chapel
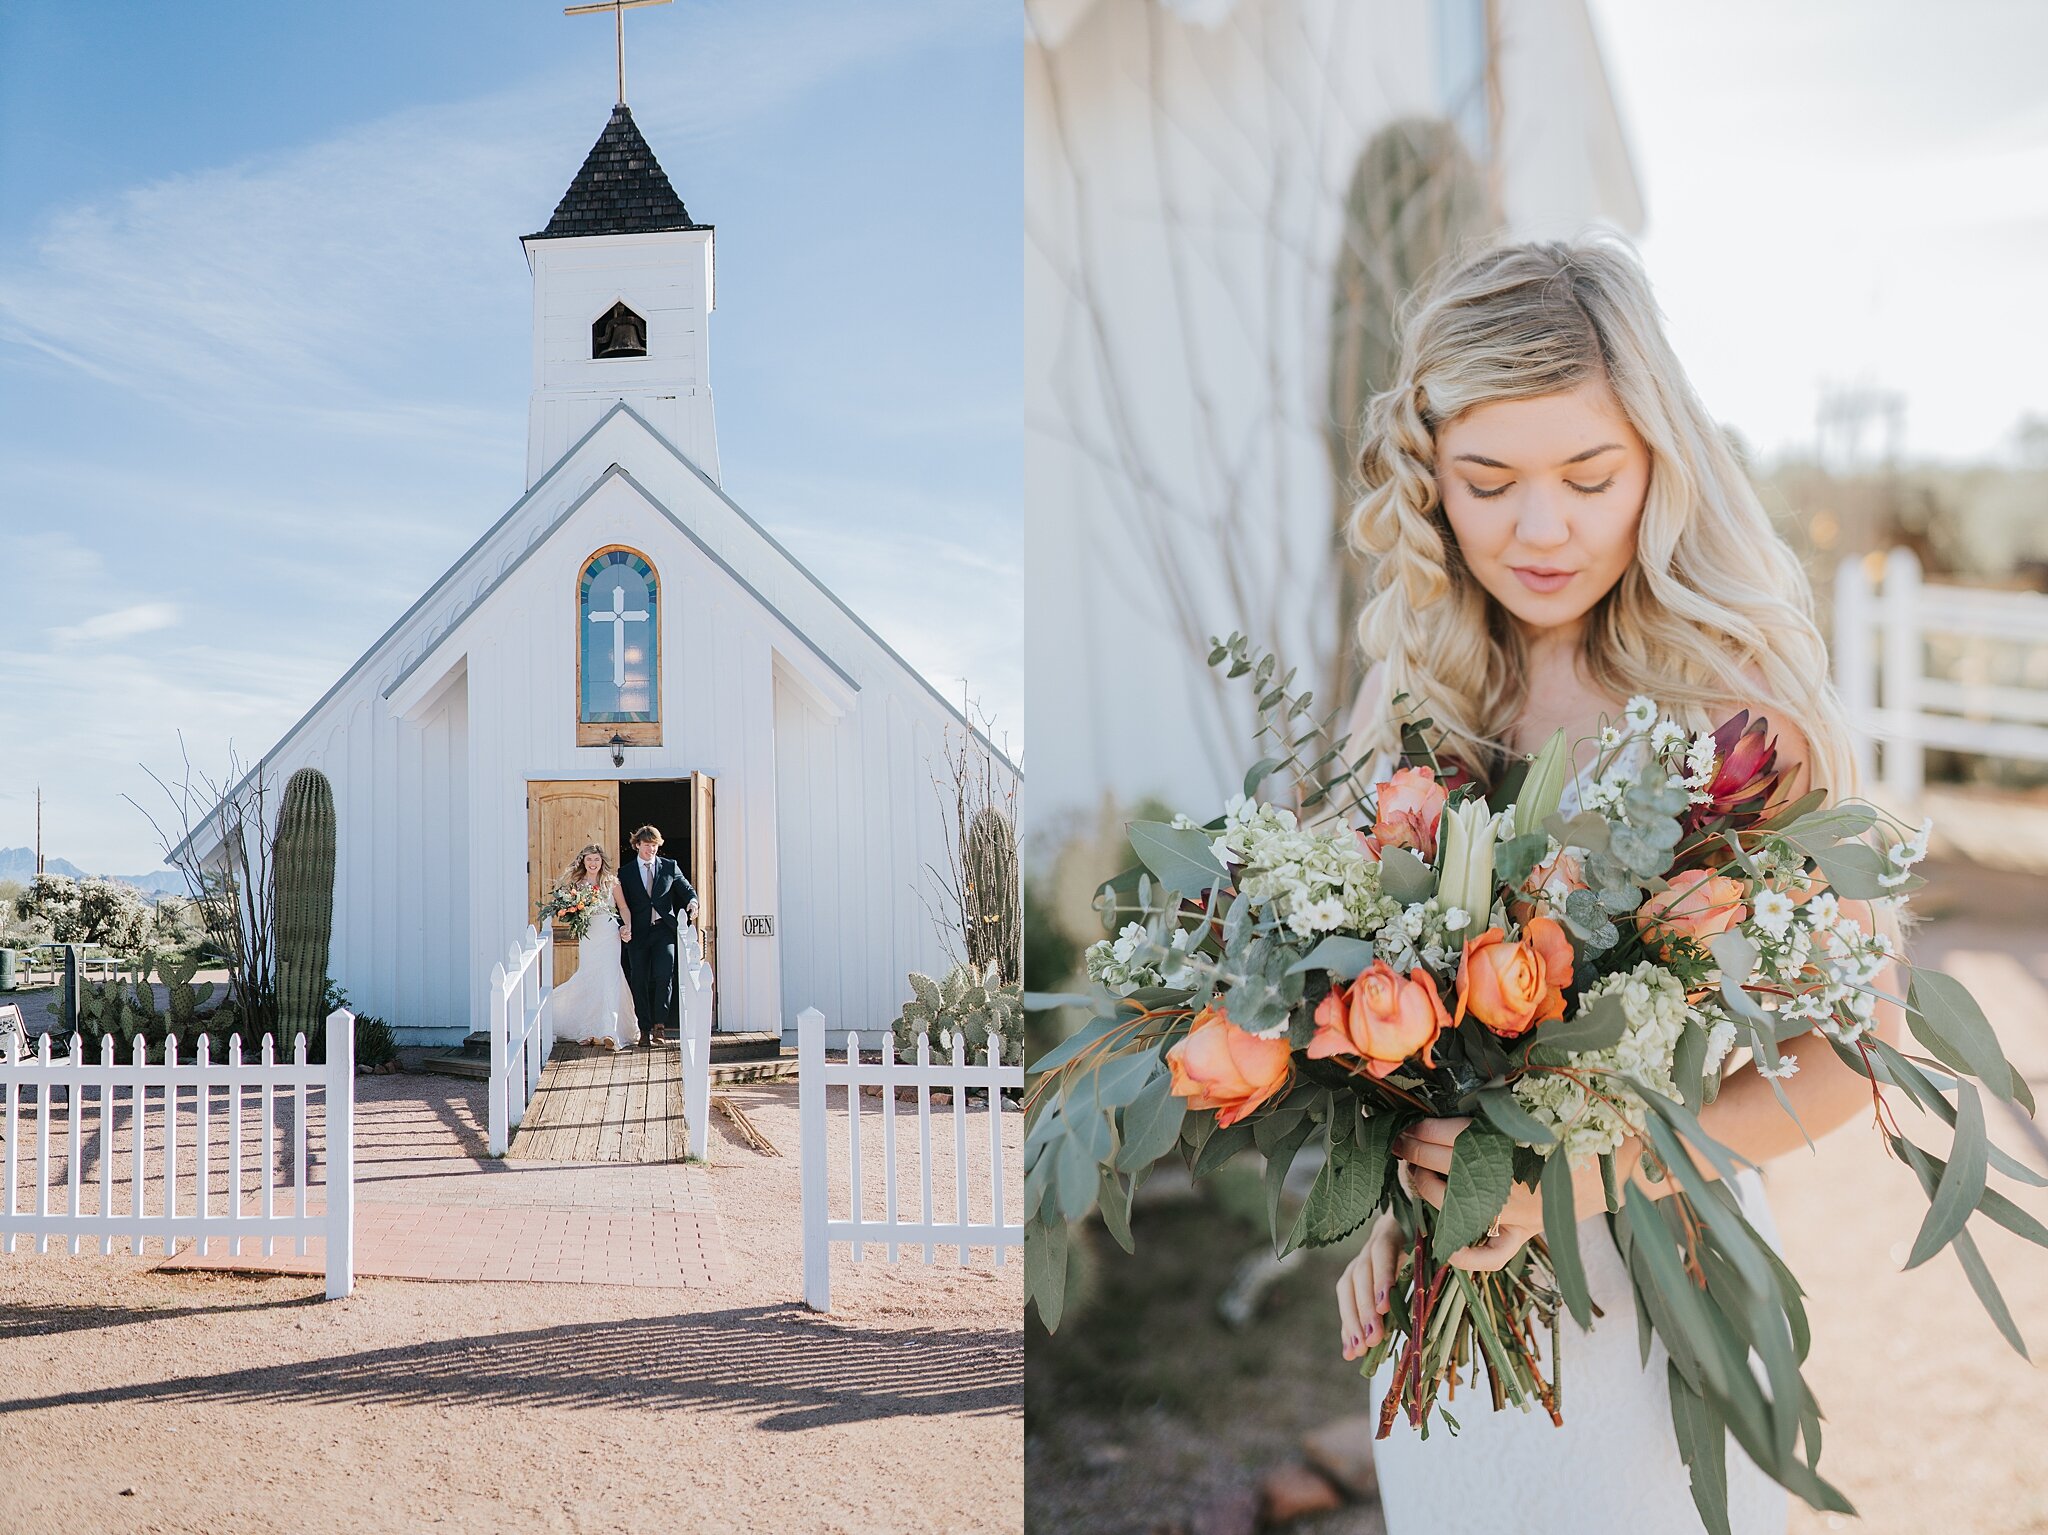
(625, 645)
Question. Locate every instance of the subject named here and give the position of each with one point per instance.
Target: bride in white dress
(594, 1006)
(1554, 524)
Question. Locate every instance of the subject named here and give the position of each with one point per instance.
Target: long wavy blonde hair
(1713, 590)
(574, 872)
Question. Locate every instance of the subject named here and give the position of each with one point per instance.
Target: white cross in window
(618, 618)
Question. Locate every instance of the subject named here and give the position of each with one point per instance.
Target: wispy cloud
(119, 624)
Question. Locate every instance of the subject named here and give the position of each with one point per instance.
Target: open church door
(703, 872)
(561, 819)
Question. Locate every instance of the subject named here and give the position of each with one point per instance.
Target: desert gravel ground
(135, 1399)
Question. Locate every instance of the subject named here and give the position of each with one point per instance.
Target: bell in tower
(618, 332)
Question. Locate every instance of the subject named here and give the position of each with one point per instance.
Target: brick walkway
(431, 1205)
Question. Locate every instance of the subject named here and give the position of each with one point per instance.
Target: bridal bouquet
(572, 906)
(1313, 981)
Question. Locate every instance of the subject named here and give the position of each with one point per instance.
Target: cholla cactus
(974, 1004)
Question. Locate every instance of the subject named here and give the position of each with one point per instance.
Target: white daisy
(1772, 911)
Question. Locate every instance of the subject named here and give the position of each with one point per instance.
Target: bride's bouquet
(1313, 981)
(572, 906)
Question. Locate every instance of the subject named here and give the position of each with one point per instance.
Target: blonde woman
(1555, 524)
(592, 1006)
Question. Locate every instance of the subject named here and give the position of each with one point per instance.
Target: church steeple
(621, 189)
(622, 295)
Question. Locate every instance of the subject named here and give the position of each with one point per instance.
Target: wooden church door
(561, 818)
(703, 874)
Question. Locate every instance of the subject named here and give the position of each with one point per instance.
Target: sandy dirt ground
(1147, 1415)
(137, 1399)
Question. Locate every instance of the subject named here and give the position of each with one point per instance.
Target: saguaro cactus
(303, 868)
(992, 895)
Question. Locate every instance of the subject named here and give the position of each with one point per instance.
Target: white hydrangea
(1653, 1001)
(1314, 881)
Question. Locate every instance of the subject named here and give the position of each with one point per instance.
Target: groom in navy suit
(656, 892)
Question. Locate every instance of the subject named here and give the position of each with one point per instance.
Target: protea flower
(1745, 774)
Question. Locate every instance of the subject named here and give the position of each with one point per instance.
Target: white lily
(1467, 879)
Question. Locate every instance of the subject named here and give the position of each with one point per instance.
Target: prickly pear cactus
(974, 1004)
(185, 997)
(303, 869)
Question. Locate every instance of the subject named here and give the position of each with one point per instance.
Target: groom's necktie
(647, 876)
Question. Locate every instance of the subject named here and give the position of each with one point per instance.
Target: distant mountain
(20, 863)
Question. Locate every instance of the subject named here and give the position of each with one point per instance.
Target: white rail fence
(1885, 636)
(522, 1024)
(694, 981)
(211, 1111)
(816, 1072)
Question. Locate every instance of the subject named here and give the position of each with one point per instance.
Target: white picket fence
(816, 1072)
(1882, 635)
(522, 1024)
(694, 1041)
(204, 1107)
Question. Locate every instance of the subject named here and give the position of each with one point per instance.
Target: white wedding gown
(595, 1003)
(1611, 1469)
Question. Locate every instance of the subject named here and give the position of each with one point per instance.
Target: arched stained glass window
(618, 621)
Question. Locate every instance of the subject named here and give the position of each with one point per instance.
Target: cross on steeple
(618, 8)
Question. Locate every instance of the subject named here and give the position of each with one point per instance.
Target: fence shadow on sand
(775, 1362)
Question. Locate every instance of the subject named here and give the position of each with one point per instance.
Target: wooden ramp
(605, 1106)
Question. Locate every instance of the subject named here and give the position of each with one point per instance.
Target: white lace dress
(595, 1002)
(1612, 1469)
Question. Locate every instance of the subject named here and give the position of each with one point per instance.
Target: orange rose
(1380, 1017)
(1696, 905)
(1219, 1066)
(1512, 987)
(1407, 808)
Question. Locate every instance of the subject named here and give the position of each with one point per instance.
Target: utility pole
(39, 831)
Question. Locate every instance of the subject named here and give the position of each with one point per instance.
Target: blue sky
(264, 337)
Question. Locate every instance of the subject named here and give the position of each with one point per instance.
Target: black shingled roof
(620, 190)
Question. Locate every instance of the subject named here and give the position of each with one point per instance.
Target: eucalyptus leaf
(1279, 1162)
(1113, 1198)
(1405, 877)
(1584, 830)
(1961, 1185)
(1852, 869)
(1063, 1052)
(1045, 1269)
(1703, 1447)
(1221, 1147)
(1638, 853)
(1500, 1106)
(1561, 1237)
(1941, 1003)
(1259, 773)
(1514, 858)
(1151, 1125)
(1119, 1080)
(1344, 957)
(1074, 1179)
(1598, 1025)
(1181, 858)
